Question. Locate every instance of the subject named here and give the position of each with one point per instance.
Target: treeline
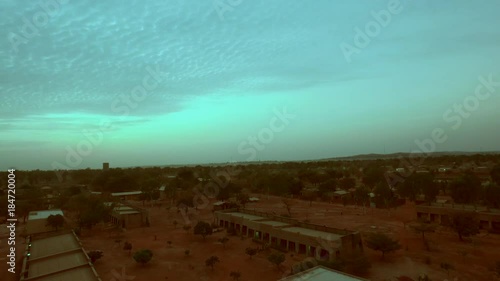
(367, 181)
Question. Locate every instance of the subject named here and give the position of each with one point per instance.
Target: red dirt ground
(471, 260)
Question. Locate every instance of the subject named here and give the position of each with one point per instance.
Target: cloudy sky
(187, 81)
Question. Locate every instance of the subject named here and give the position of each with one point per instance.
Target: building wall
(443, 215)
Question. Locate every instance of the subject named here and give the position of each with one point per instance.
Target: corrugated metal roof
(126, 193)
(57, 258)
(36, 215)
(320, 273)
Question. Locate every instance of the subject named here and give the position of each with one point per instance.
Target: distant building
(59, 257)
(128, 195)
(442, 214)
(321, 273)
(105, 166)
(127, 216)
(223, 205)
(37, 221)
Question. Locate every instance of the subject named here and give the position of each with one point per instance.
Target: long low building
(442, 214)
(59, 257)
(321, 242)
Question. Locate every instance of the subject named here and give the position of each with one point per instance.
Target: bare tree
(288, 204)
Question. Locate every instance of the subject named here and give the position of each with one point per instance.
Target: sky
(189, 82)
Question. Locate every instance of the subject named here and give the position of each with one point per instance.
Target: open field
(471, 260)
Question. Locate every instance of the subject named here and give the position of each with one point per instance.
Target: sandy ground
(471, 260)
(170, 262)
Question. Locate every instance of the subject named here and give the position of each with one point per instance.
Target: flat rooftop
(274, 223)
(37, 215)
(131, 212)
(122, 208)
(76, 274)
(125, 210)
(57, 263)
(57, 258)
(320, 273)
(246, 216)
(313, 233)
(126, 193)
(53, 245)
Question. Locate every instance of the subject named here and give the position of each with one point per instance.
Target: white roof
(341, 192)
(37, 215)
(126, 193)
(320, 273)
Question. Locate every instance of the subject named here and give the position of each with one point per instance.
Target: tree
(309, 195)
(362, 195)
(94, 255)
(223, 241)
(276, 259)
(187, 252)
(150, 191)
(430, 191)
(23, 208)
(418, 183)
(295, 187)
(251, 252)
(211, 261)
(491, 195)
(127, 246)
(175, 223)
(423, 227)
(203, 228)
(89, 210)
(373, 175)
(495, 174)
(187, 227)
(243, 199)
(326, 187)
(383, 243)
(55, 221)
(186, 174)
(287, 203)
(446, 266)
(466, 189)
(143, 256)
(236, 275)
(347, 183)
(223, 194)
(465, 225)
(383, 195)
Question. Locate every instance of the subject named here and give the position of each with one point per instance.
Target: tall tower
(105, 166)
